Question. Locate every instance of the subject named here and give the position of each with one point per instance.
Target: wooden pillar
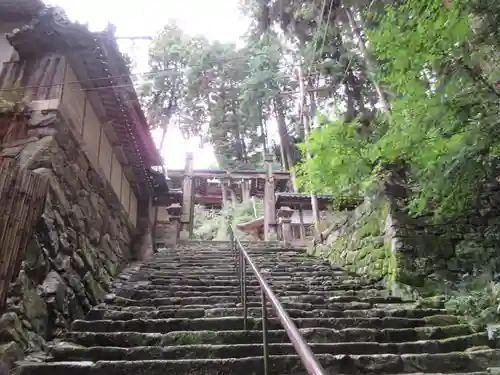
(22, 197)
(269, 201)
(187, 199)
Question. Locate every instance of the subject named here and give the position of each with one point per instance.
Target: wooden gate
(22, 197)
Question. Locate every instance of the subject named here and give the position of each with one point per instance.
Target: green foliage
(212, 225)
(443, 122)
(340, 162)
(479, 307)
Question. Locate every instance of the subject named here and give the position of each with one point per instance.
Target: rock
(35, 310)
(11, 152)
(54, 285)
(11, 329)
(78, 263)
(94, 290)
(34, 261)
(62, 262)
(36, 153)
(41, 132)
(494, 333)
(10, 353)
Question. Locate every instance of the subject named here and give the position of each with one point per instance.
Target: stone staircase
(180, 313)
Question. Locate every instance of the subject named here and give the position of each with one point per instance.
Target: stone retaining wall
(417, 255)
(82, 241)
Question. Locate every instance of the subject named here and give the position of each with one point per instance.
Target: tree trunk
(285, 140)
(369, 63)
(22, 197)
(306, 117)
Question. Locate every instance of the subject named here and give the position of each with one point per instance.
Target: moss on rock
(360, 245)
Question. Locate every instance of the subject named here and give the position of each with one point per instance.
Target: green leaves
(340, 164)
(444, 114)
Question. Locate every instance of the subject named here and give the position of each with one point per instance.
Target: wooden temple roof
(102, 71)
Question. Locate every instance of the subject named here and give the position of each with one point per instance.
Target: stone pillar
(302, 227)
(144, 242)
(224, 192)
(285, 216)
(269, 201)
(186, 219)
(171, 232)
(245, 190)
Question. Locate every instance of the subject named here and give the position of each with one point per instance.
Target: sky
(215, 19)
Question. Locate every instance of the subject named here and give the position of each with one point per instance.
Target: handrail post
(265, 343)
(241, 260)
(244, 294)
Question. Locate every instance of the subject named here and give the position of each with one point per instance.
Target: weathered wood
(22, 197)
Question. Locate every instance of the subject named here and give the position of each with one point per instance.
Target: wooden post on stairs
(22, 197)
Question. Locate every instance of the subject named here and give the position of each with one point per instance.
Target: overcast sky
(215, 19)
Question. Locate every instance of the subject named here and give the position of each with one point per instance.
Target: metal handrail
(242, 259)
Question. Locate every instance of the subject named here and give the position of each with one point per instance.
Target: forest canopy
(343, 92)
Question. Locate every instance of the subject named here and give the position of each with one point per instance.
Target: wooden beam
(243, 175)
(22, 197)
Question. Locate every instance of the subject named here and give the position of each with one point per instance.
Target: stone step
(108, 313)
(68, 352)
(257, 304)
(216, 273)
(252, 282)
(235, 323)
(218, 257)
(155, 293)
(312, 335)
(230, 277)
(285, 364)
(286, 287)
(305, 301)
(272, 266)
(224, 264)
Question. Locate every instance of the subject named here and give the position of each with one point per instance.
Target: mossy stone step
(180, 313)
(343, 287)
(236, 323)
(313, 335)
(255, 291)
(68, 352)
(252, 282)
(296, 313)
(285, 364)
(304, 300)
(108, 313)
